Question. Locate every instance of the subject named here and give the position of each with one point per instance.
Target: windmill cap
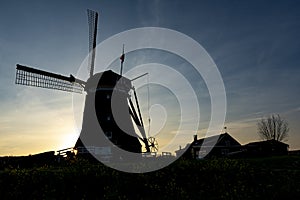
(109, 80)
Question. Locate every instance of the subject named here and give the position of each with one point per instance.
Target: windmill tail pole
(138, 120)
(145, 140)
(138, 107)
(138, 123)
(146, 145)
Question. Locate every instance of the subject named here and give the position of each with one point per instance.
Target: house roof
(210, 142)
(266, 142)
(213, 140)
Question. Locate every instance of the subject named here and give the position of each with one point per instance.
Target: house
(215, 146)
(266, 148)
(294, 152)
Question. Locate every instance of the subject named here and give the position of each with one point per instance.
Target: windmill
(108, 102)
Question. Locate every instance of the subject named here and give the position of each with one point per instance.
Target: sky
(255, 45)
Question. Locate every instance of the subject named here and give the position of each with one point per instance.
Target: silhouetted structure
(101, 89)
(265, 148)
(108, 108)
(227, 146)
(215, 146)
(294, 152)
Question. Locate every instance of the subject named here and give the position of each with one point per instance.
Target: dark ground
(256, 178)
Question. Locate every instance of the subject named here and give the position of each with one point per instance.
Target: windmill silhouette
(108, 102)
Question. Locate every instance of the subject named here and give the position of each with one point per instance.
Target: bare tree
(273, 127)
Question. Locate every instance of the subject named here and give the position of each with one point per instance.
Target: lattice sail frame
(92, 21)
(38, 78)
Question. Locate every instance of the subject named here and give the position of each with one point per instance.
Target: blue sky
(255, 45)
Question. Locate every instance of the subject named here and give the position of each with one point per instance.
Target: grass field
(259, 178)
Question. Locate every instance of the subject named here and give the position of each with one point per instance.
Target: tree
(273, 127)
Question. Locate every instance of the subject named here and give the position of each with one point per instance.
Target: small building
(294, 152)
(215, 146)
(266, 148)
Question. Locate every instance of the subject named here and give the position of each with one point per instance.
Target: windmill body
(106, 112)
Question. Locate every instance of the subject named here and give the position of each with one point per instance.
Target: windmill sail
(38, 78)
(93, 21)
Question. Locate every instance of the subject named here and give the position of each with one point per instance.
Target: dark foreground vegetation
(259, 178)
